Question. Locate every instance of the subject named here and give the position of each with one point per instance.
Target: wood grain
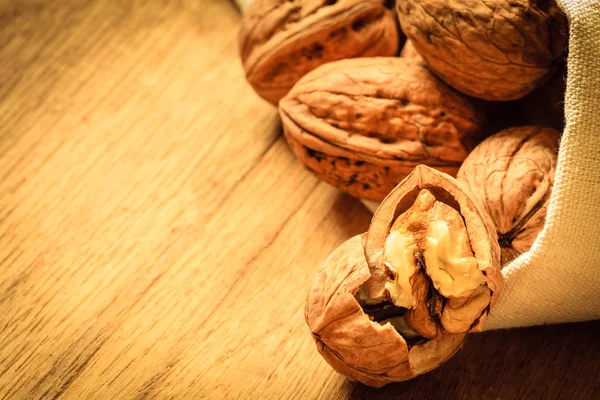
(157, 237)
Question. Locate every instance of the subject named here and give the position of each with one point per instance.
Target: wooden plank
(157, 237)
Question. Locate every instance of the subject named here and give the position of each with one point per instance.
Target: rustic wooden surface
(157, 238)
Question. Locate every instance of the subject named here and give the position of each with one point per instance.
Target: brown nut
(281, 40)
(511, 173)
(364, 124)
(383, 307)
(494, 50)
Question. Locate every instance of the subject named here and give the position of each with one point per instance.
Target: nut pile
(449, 113)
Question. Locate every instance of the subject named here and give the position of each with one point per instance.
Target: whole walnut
(511, 173)
(364, 124)
(281, 40)
(493, 49)
(399, 300)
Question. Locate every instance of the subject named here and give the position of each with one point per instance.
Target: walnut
(399, 300)
(494, 50)
(364, 124)
(281, 40)
(511, 173)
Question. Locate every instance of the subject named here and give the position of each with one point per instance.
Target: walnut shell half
(511, 173)
(281, 40)
(494, 49)
(354, 311)
(364, 124)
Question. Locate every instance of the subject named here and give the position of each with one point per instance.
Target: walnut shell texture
(364, 124)
(493, 49)
(349, 341)
(371, 351)
(282, 40)
(511, 173)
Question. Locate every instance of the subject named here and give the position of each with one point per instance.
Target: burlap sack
(558, 279)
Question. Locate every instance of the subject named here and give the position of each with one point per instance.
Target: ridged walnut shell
(511, 173)
(282, 40)
(375, 353)
(493, 49)
(363, 124)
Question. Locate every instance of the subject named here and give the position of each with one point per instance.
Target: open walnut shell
(493, 49)
(511, 173)
(281, 40)
(381, 309)
(363, 124)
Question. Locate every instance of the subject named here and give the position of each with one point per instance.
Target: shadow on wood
(529, 363)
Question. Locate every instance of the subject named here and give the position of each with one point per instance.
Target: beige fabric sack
(558, 280)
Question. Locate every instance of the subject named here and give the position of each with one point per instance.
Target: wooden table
(157, 237)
